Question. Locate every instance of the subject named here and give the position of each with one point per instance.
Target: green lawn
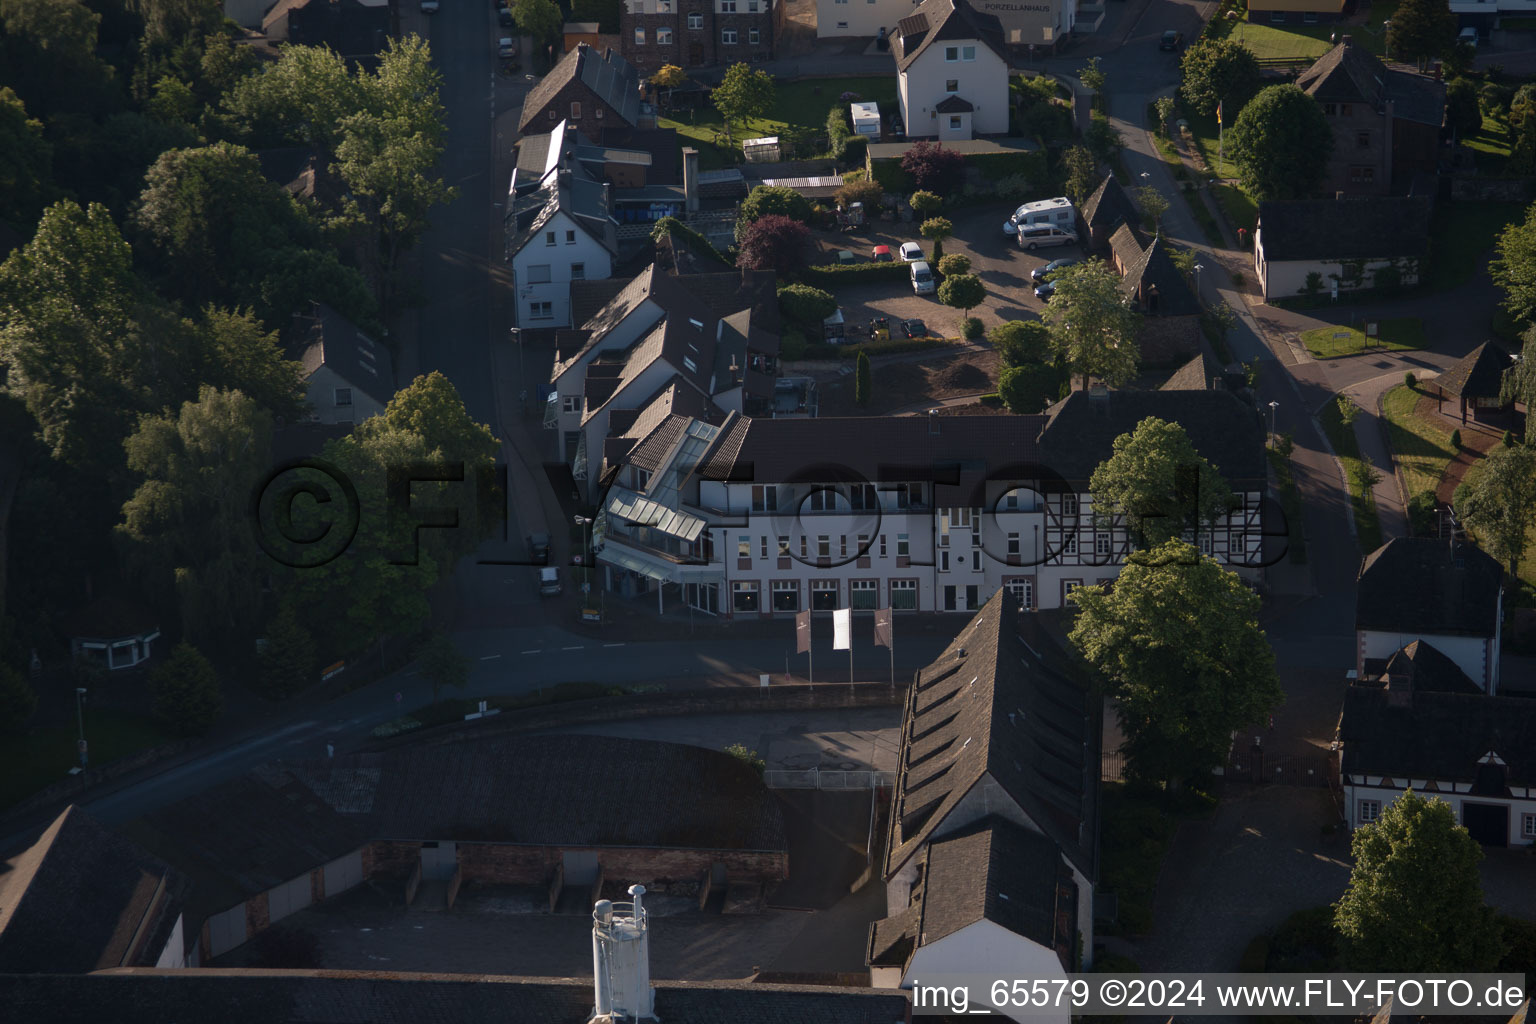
(1420, 447)
(1397, 335)
(799, 112)
(1491, 143)
(1461, 234)
(1207, 141)
(1289, 41)
(1241, 210)
(1347, 448)
(29, 763)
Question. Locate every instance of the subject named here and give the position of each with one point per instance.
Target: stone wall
(509, 864)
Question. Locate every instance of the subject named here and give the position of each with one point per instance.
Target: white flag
(842, 629)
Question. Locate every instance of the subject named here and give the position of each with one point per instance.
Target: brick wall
(589, 124)
(509, 864)
(257, 914)
(1164, 339)
(390, 859)
(698, 47)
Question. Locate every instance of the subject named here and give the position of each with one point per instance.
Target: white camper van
(866, 120)
(1058, 212)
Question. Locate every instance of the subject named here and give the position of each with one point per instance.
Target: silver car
(1043, 236)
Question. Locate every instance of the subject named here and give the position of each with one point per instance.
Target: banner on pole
(842, 629)
(883, 636)
(803, 632)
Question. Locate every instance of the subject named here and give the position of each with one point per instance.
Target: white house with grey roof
(952, 71)
(559, 229)
(992, 854)
(348, 376)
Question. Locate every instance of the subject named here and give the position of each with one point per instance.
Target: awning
(617, 555)
(632, 508)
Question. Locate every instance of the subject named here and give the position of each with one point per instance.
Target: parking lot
(995, 257)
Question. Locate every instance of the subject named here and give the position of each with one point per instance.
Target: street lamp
(586, 552)
(80, 717)
(522, 379)
(1272, 407)
(1198, 267)
(1386, 37)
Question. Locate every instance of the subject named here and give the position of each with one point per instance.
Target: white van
(1043, 236)
(922, 278)
(1058, 211)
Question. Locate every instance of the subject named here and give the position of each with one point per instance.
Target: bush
(792, 347)
(855, 150)
(834, 274)
(1509, 439)
(1411, 381)
(933, 168)
(1456, 440)
(747, 757)
(764, 200)
(1520, 937)
(186, 691)
(971, 328)
(773, 242)
(1421, 514)
(805, 305)
(955, 263)
(17, 699)
(1459, 497)
(1305, 942)
(862, 191)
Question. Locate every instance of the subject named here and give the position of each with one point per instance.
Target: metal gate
(439, 861)
(580, 867)
(288, 898)
(1255, 766)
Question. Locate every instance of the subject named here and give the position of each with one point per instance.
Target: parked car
(1045, 291)
(922, 278)
(1041, 273)
(504, 17)
(914, 328)
(428, 6)
(1171, 41)
(845, 258)
(549, 582)
(1469, 36)
(881, 254)
(1043, 236)
(911, 252)
(538, 547)
(505, 48)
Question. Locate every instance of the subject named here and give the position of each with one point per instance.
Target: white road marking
(489, 657)
(540, 651)
(576, 648)
(613, 645)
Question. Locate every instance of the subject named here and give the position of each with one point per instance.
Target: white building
(1475, 752)
(993, 845)
(559, 229)
(860, 17)
(348, 377)
(764, 517)
(952, 71)
(1345, 241)
(1416, 592)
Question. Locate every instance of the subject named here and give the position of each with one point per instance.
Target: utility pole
(80, 718)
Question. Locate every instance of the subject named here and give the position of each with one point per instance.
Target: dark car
(1041, 273)
(538, 547)
(504, 16)
(1171, 41)
(1045, 291)
(914, 328)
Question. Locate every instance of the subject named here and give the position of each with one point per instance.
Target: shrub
(747, 757)
(1459, 497)
(934, 168)
(1238, 278)
(926, 204)
(186, 691)
(792, 346)
(971, 328)
(1456, 440)
(805, 304)
(764, 200)
(1421, 514)
(862, 382)
(1509, 439)
(773, 242)
(1411, 381)
(834, 274)
(17, 699)
(867, 192)
(955, 263)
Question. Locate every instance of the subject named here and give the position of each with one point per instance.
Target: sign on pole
(842, 629)
(883, 628)
(803, 632)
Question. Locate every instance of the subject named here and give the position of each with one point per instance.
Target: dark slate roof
(1427, 735)
(1109, 205)
(609, 76)
(944, 20)
(652, 430)
(1195, 375)
(589, 297)
(573, 192)
(1156, 269)
(1415, 585)
(1420, 666)
(1081, 430)
(1478, 374)
(552, 790)
(661, 143)
(1352, 228)
(998, 871)
(1351, 74)
(82, 899)
(954, 105)
(332, 340)
(997, 710)
(349, 997)
(346, 26)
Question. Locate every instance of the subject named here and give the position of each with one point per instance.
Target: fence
(1286, 770)
(821, 778)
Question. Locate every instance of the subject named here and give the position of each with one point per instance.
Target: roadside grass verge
(33, 761)
(1400, 334)
(1347, 448)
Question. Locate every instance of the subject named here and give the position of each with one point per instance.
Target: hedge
(834, 274)
(823, 350)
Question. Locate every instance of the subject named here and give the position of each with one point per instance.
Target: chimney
(1348, 40)
(1098, 398)
(608, 197)
(621, 965)
(691, 178)
(563, 177)
(933, 422)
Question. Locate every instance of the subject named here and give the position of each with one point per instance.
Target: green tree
(1153, 204)
(862, 190)
(1166, 106)
(963, 292)
(1501, 506)
(1281, 143)
(186, 691)
(17, 699)
(1022, 342)
(1028, 388)
(747, 757)
(1421, 31)
(174, 101)
(1091, 324)
(302, 97)
(936, 229)
(537, 18)
(926, 204)
(288, 659)
(1178, 641)
(775, 199)
(442, 665)
(1519, 382)
(1158, 485)
(1463, 115)
(607, 13)
(1415, 898)
(1082, 173)
(742, 94)
(1104, 139)
(25, 162)
(955, 263)
(67, 341)
(1093, 77)
(233, 351)
(1514, 268)
(48, 51)
(1219, 71)
(668, 76)
(187, 518)
(862, 379)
